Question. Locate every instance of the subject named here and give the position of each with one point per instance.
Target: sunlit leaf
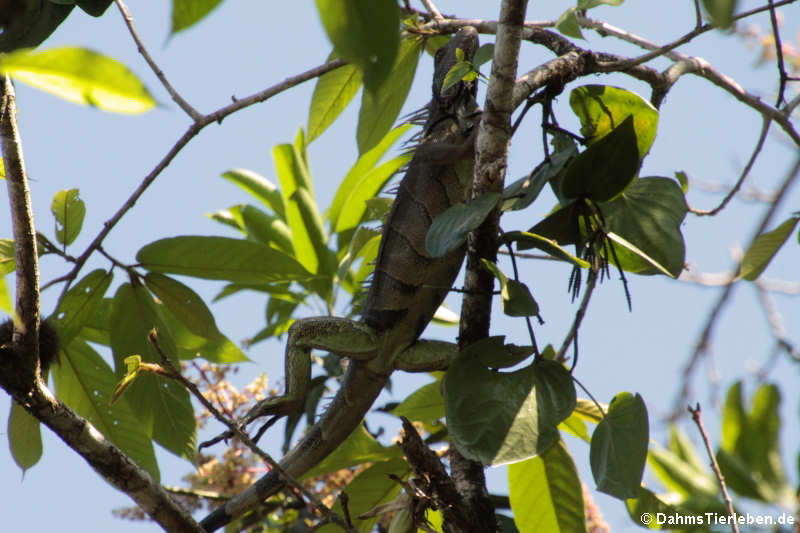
(764, 248)
(332, 93)
(358, 448)
(721, 12)
(567, 24)
(24, 437)
(546, 494)
(80, 304)
(69, 211)
(81, 76)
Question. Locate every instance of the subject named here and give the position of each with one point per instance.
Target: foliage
(497, 403)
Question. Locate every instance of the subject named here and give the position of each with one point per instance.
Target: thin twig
(715, 466)
(579, 314)
(187, 136)
(702, 344)
(756, 151)
(237, 431)
(775, 321)
(776, 37)
(176, 97)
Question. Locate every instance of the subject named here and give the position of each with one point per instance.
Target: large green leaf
(680, 476)
(601, 108)
(524, 191)
(332, 93)
(381, 105)
(370, 185)
(450, 229)
(266, 229)
(220, 258)
(69, 211)
(186, 13)
(647, 509)
(360, 447)
(605, 168)
(546, 494)
(749, 455)
(503, 417)
(81, 76)
(308, 236)
(649, 215)
(358, 172)
(260, 187)
(24, 437)
(372, 487)
(764, 248)
(84, 381)
(79, 305)
(423, 405)
(365, 32)
(619, 446)
(162, 405)
(526, 241)
(191, 322)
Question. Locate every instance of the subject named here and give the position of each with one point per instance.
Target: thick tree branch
(26, 325)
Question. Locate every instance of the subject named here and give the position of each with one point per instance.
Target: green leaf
(721, 12)
(649, 215)
(523, 192)
(260, 187)
(357, 173)
(186, 13)
(308, 236)
(683, 180)
(84, 381)
(764, 248)
(650, 504)
(69, 211)
(462, 70)
(601, 108)
(681, 476)
(162, 405)
(493, 352)
(215, 347)
(370, 185)
(7, 262)
(450, 229)
(94, 8)
(5, 297)
(80, 304)
(220, 258)
(589, 4)
(365, 32)
(266, 229)
(24, 437)
(423, 405)
(361, 238)
(370, 488)
(360, 447)
(184, 303)
(619, 447)
(605, 168)
(484, 54)
(567, 24)
(750, 452)
(546, 494)
(80, 76)
(381, 105)
(526, 241)
(332, 93)
(516, 296)
(499, 418)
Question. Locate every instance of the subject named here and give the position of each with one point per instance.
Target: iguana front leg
(340, 336)
(345, 338)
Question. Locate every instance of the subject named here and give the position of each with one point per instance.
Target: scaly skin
(407, 287)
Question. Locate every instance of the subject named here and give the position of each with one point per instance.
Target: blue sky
(244, 47)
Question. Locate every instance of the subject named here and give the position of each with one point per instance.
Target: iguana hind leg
(426, 356)
(336, 335)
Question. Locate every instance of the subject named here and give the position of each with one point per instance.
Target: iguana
(407, 287)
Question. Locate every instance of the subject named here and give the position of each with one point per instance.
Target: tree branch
(26, 326)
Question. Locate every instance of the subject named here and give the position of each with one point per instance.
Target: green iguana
(406, 289)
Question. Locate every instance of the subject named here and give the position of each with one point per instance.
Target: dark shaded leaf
(450, 229)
